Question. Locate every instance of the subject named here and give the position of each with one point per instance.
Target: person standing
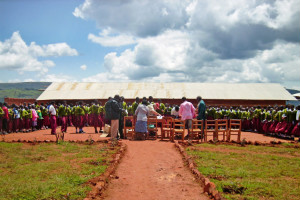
(16, 119)
(1, 117)
(80, 115)
(187, 113)
(141, 113)
(5, 118)
(63, 114)
(95, 115)
(53, 123)
(201, 108)
(112, 113)
(135, 104)
(123, 105)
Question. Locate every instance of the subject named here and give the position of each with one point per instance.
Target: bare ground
(42, 135)
(153, 170)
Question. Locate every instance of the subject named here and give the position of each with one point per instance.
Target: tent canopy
(238, 91)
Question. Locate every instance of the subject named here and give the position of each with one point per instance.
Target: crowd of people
(282, 121)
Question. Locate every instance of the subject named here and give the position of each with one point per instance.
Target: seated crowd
(282, 121)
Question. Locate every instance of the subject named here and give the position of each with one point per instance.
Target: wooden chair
(179, 129)
(152, 127)
(128, 129)
(210, 127)
(196, 130)
(235, 126)
(167, 128)
(222, 127)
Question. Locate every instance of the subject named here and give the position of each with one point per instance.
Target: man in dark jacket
(201, 108)
(113, 112)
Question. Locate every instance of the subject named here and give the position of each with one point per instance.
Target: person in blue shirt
(16, 119)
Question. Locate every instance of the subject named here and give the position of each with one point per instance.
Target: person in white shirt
(175, 112)
(53, 123)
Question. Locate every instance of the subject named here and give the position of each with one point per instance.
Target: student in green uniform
(95, 115)
(80, 113)
(63, 113)
(135, 104)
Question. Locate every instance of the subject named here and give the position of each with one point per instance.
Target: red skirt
(16, 125)
(273, 127)
(80, 121)
(289, 128)
(46, 120)
(296, 130)
(266, 126)
(281, 127)
(10, 125)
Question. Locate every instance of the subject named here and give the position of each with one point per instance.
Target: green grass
(20, 93)
(50, 171)
(252, 172)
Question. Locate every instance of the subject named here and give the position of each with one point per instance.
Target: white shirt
(52, 110)
(142, 112)
(151, 110)
(174, 112)
(298, 115)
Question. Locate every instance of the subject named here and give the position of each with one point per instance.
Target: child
(80, 114)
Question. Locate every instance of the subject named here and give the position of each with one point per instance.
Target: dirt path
(153, 170)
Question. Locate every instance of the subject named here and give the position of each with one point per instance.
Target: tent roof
(241, 91)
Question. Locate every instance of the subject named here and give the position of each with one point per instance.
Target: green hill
(22, 90)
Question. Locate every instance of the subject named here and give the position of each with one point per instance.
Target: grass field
(251, 172)
(50, 171)
(19, 93)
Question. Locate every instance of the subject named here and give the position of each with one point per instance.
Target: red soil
(42, 135)
(153, 170)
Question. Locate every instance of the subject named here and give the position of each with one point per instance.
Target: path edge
(209, 187)
(100, 183)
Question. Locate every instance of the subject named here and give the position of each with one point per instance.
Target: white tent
(218, 91)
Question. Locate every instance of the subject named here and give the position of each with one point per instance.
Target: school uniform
(10, 121)
(5, 119)
(63, 113)
(296, 130)
(40, 119)
(16, 120)
(53, 119)
(95, 116)
(46, 121)
(80, 114)
(1, 119)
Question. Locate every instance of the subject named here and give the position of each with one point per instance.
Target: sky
(240, 41)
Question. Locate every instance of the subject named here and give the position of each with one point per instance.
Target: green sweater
(79, 111)
(94, 109)
(1, 112)
(62, 111)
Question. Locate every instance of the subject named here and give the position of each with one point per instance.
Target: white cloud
(16, 80)
(107, 40)
(198, 40)
(16, 55)
(83, 67)
(57, 78)
(29, 80)
(139, 18)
